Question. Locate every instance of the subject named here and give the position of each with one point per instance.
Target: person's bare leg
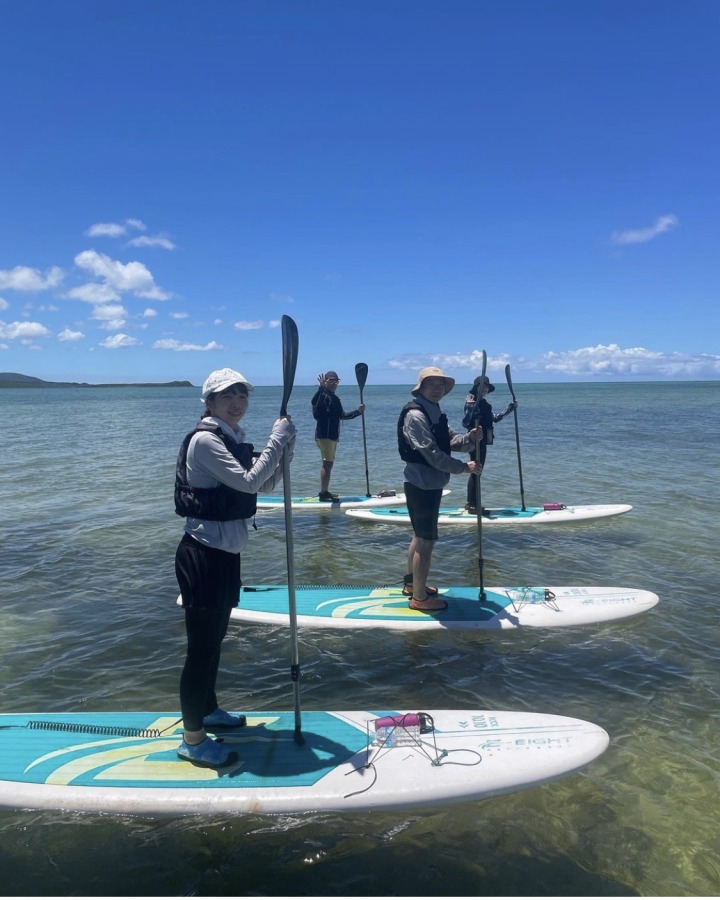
(419, 558)
(325, 473)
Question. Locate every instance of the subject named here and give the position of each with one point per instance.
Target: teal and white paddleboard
(506, 515)
(126, 762)
(345, 501)
(358, 606)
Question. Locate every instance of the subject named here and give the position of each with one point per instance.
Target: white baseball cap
(221, 379)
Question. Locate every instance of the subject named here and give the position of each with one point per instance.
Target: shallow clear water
(89, 622)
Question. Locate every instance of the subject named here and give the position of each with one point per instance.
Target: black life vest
(219, 504)
(440, 431)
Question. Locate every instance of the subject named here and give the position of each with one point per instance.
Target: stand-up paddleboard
(346, 501)
(358, 606)
(551, 514)
(127, 763)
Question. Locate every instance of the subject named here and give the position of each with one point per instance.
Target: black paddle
(289, 359)
(517, 435)
(361, 373)
(478, 491)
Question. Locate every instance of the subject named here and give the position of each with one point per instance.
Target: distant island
(15, 380)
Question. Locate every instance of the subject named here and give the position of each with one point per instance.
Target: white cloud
(149, 313)
(94, 293)
(179, 315)
(471, 360)
(131, 277)
(110, 315)
(23, 278)
(67, 335)
(643, 235)
(171, 344)
(147, 241)
(118, 341)
(4, 304)
(614, 361)
(248, 326)
(274, 323)
(14, 330)
(218, 322)
(603, 362)
(106, 229)
(114, 229)
(282, 298)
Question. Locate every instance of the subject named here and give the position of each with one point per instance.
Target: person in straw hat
(425, 442)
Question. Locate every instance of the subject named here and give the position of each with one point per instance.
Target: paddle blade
(484, 364)
(361, 373)
(290, 344)
(508, 378)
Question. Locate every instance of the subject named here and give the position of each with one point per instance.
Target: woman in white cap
(217, 479)
(479, 412)
(425, 441)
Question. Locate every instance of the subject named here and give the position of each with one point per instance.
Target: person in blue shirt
(328, 412)
(479, 412)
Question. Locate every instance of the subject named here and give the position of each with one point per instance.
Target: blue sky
(411, 181)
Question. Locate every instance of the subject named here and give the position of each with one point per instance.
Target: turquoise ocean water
(89, 623)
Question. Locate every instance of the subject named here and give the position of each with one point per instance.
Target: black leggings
(209, 582)
(206, 629)
(472, 480)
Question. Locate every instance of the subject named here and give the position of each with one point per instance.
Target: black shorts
(424, 509)
(208, 577)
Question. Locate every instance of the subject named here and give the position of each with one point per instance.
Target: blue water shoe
(221, 719)
(208, 753)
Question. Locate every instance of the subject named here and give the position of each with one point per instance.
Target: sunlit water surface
(90, 623)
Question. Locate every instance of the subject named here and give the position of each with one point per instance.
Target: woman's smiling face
(229, 405)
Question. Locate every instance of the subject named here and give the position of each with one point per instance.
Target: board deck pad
(504, 515)
(126, 762)
(344, 501)
(367, 606)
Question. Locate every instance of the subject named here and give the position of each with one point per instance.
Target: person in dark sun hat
(425, 442)
(479, 412)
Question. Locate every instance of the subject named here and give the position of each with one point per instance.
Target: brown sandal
(408, 588)
(439, 606)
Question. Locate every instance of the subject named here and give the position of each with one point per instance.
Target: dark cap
(484, 379)
(331, 374)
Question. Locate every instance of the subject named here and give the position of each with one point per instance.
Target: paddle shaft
(361, 373)
(517, 436)
(478, 490)
(290, 345)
